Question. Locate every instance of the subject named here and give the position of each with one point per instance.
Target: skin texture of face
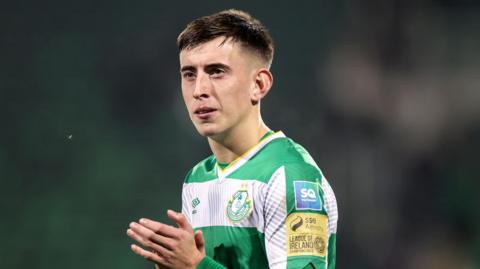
(221, 83)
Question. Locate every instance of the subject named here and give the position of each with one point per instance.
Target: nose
(202, 87)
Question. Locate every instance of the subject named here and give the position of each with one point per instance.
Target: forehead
(217, 50)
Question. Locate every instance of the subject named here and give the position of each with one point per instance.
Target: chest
(226, 203)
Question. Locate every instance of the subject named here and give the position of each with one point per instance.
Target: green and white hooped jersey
(270, 208)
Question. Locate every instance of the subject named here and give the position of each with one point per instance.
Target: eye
(217, 72)
(188, 75)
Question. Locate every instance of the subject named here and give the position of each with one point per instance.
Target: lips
(204, 112)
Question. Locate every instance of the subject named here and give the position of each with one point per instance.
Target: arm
(300, 218)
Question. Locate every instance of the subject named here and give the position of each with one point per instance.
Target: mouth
(204, 112)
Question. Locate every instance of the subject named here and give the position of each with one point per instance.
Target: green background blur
(384, 94)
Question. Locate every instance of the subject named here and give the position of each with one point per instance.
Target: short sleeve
(297, 220)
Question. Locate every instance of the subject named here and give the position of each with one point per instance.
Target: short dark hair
(237, 25)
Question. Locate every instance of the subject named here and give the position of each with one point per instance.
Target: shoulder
(294, 159)
(202, 171)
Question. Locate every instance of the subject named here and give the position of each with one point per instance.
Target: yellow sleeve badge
(306, 234)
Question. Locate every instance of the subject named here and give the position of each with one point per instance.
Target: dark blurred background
(94, 134)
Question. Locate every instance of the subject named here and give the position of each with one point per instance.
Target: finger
(149, 239)
(158, 250)
(200, 241)
(180, 219)
(159, 228)
(148, 255)
(149, 235)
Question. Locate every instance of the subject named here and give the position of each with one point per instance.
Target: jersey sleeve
(209, 263)
(300, 216)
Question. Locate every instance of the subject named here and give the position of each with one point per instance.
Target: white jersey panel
(214, 196)
(330, 207)
(186, 205)
(275, 216)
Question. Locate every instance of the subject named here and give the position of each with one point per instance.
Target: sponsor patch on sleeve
(307, 195)
(306, 234)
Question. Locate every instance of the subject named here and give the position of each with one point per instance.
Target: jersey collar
(241, 160)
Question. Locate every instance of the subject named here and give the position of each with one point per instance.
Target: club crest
(239, 206)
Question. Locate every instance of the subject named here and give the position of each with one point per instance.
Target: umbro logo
(195, 203)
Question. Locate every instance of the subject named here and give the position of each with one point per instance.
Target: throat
(228, 151)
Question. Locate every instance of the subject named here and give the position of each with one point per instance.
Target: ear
(263, 83)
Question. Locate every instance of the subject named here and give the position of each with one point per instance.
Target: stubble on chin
(205, 129)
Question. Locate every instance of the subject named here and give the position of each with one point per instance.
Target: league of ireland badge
(239, 206)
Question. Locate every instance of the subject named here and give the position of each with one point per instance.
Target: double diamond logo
(195, 202)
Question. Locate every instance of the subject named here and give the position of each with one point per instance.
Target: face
(218, 81)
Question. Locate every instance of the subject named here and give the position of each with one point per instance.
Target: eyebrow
(207, 67)
(213, 66)
(187, 68)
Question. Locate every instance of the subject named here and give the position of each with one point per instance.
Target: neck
(236, 141)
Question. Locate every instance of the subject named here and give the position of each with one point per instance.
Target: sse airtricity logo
(307, 195)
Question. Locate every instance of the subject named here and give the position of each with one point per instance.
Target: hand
(168, 246)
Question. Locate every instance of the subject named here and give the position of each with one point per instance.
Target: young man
(260, 201)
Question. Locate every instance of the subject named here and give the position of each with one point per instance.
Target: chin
(207, 130)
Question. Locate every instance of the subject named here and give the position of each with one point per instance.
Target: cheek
(233, 95)
(239, 89)
(237, 102)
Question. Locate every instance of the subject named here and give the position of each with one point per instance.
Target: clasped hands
(168, 246)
